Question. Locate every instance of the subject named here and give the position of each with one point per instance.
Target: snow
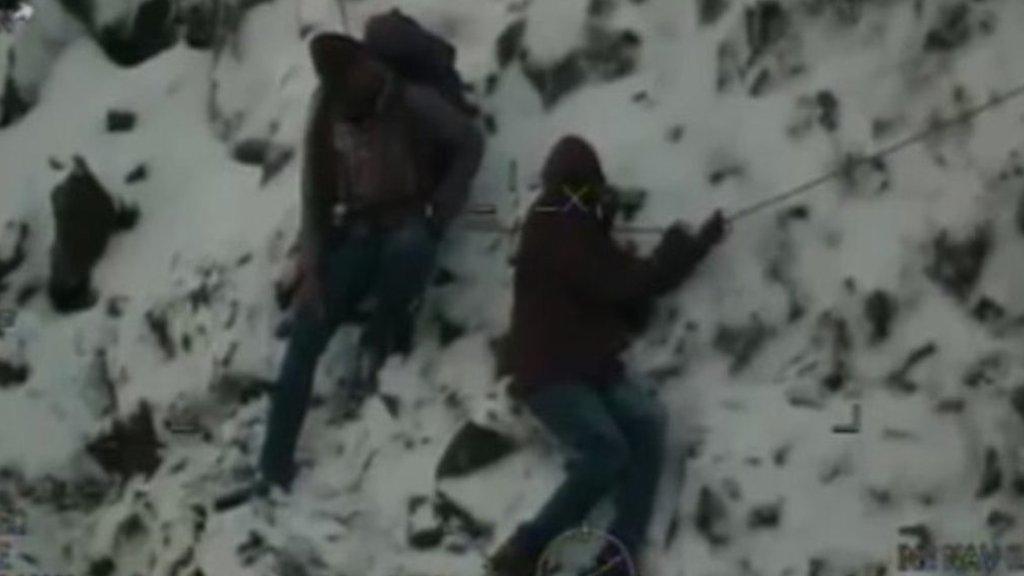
(349, 513)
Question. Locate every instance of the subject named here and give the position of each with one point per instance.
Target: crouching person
(388, 166)
(577, 296)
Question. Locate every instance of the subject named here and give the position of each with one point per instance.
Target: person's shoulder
(425, 101)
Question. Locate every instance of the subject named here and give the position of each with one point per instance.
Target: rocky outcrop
(86, 216)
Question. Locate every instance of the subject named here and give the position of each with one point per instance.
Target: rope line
(940, 125)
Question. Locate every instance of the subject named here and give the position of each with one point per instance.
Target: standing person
(575, 304)
(388, 166)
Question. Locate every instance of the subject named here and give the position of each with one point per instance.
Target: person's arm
(458, 137)
(601, 271)
(315, 211)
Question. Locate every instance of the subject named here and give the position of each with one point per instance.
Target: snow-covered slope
(896, 288)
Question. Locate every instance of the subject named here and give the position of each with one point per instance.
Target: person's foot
(512, 560)
(258, 487)
(613, 561)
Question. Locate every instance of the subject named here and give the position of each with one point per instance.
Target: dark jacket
(418, 155)
(576, 291)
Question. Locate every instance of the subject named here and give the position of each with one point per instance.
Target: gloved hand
(713, 230)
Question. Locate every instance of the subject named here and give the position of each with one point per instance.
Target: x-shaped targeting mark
(575, 198)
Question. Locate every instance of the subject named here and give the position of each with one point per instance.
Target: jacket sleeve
(600, 271)
(460, 138)
(315, 210)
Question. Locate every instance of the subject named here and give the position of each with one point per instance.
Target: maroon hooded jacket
(576, 290)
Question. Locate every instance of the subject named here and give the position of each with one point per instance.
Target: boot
(612, 561)
(511, 560)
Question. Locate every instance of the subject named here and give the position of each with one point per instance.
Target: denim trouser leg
(406, 263)
(578, 417)
(643, 421)
(346, 281)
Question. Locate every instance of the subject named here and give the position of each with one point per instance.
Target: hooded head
(353, 79)
(573, 177)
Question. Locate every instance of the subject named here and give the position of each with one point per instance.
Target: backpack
(417, 55)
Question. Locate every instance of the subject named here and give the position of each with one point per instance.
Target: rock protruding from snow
(130, 447)
(473, 448)
(762, 52)
(271, 156)
(86, 217)
(957, 262)
(14, 104)
(139, 33)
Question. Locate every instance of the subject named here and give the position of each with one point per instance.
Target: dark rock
(860, 174)
(709, 11)
(473, 448)
(828, 106)
(14, 105)
(391, 403)
(555, 82)
(921, 534)
(12, 375)
(952, 30)
(986, 310)
(115, 306)
(742, 342)
(138, 174)
(899, 379)
(1000, 522)
(120, 120)
(25, 295)
(781, 455)
(987, 370)
(956, 264)
(252, 549)
(86, 217)
(606, 55)
(251, 151)
(130, 447)
(238, 388)
(765, 516)
(103, 567)
(950, 406)
(272, 157)
(991, 475)
(158, 324)
(148, 31)
(423, 536)
(880, 310)
(611, 55)
(200, 22)
(675, 133)
(1017, 400)
(510, 43)
(711, 517)
(17, 253)
(600, 8)
(458, 519)
(720, 175)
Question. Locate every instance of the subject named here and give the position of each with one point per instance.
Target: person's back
(574, 308)
(387, 167)
(575, 289)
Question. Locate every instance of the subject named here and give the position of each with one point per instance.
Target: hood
(354, 83)
(573, 173)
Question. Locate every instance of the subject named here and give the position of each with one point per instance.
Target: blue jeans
(616, 435)
(395, 267)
